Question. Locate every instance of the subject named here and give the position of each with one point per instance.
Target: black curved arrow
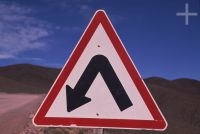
(98, 64)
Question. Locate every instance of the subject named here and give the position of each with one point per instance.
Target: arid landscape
(16, 111)
(23, 87)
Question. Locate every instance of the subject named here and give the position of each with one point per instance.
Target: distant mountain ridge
(26, 78)
(179, 99)
(37, 79)
(181, 84)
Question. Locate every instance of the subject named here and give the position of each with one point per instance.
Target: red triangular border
(158, 123)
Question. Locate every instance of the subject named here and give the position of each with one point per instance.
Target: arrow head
(74, 99)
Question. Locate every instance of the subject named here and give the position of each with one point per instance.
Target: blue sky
(44, 32)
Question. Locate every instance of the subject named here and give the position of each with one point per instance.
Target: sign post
(98, 131)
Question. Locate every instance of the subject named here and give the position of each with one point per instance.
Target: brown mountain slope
(29, 78)
(26, 77)
(182, 84)
(179, 99)
(9, 85)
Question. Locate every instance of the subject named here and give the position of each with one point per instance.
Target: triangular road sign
(99, 86)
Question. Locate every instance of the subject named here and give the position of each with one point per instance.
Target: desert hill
(178, 99)
(26, 78)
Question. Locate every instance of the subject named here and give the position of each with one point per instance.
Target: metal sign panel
(99, 86)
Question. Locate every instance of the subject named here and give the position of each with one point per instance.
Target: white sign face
(99, 86)
(102, 104)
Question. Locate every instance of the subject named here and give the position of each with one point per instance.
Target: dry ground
(16, 111)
